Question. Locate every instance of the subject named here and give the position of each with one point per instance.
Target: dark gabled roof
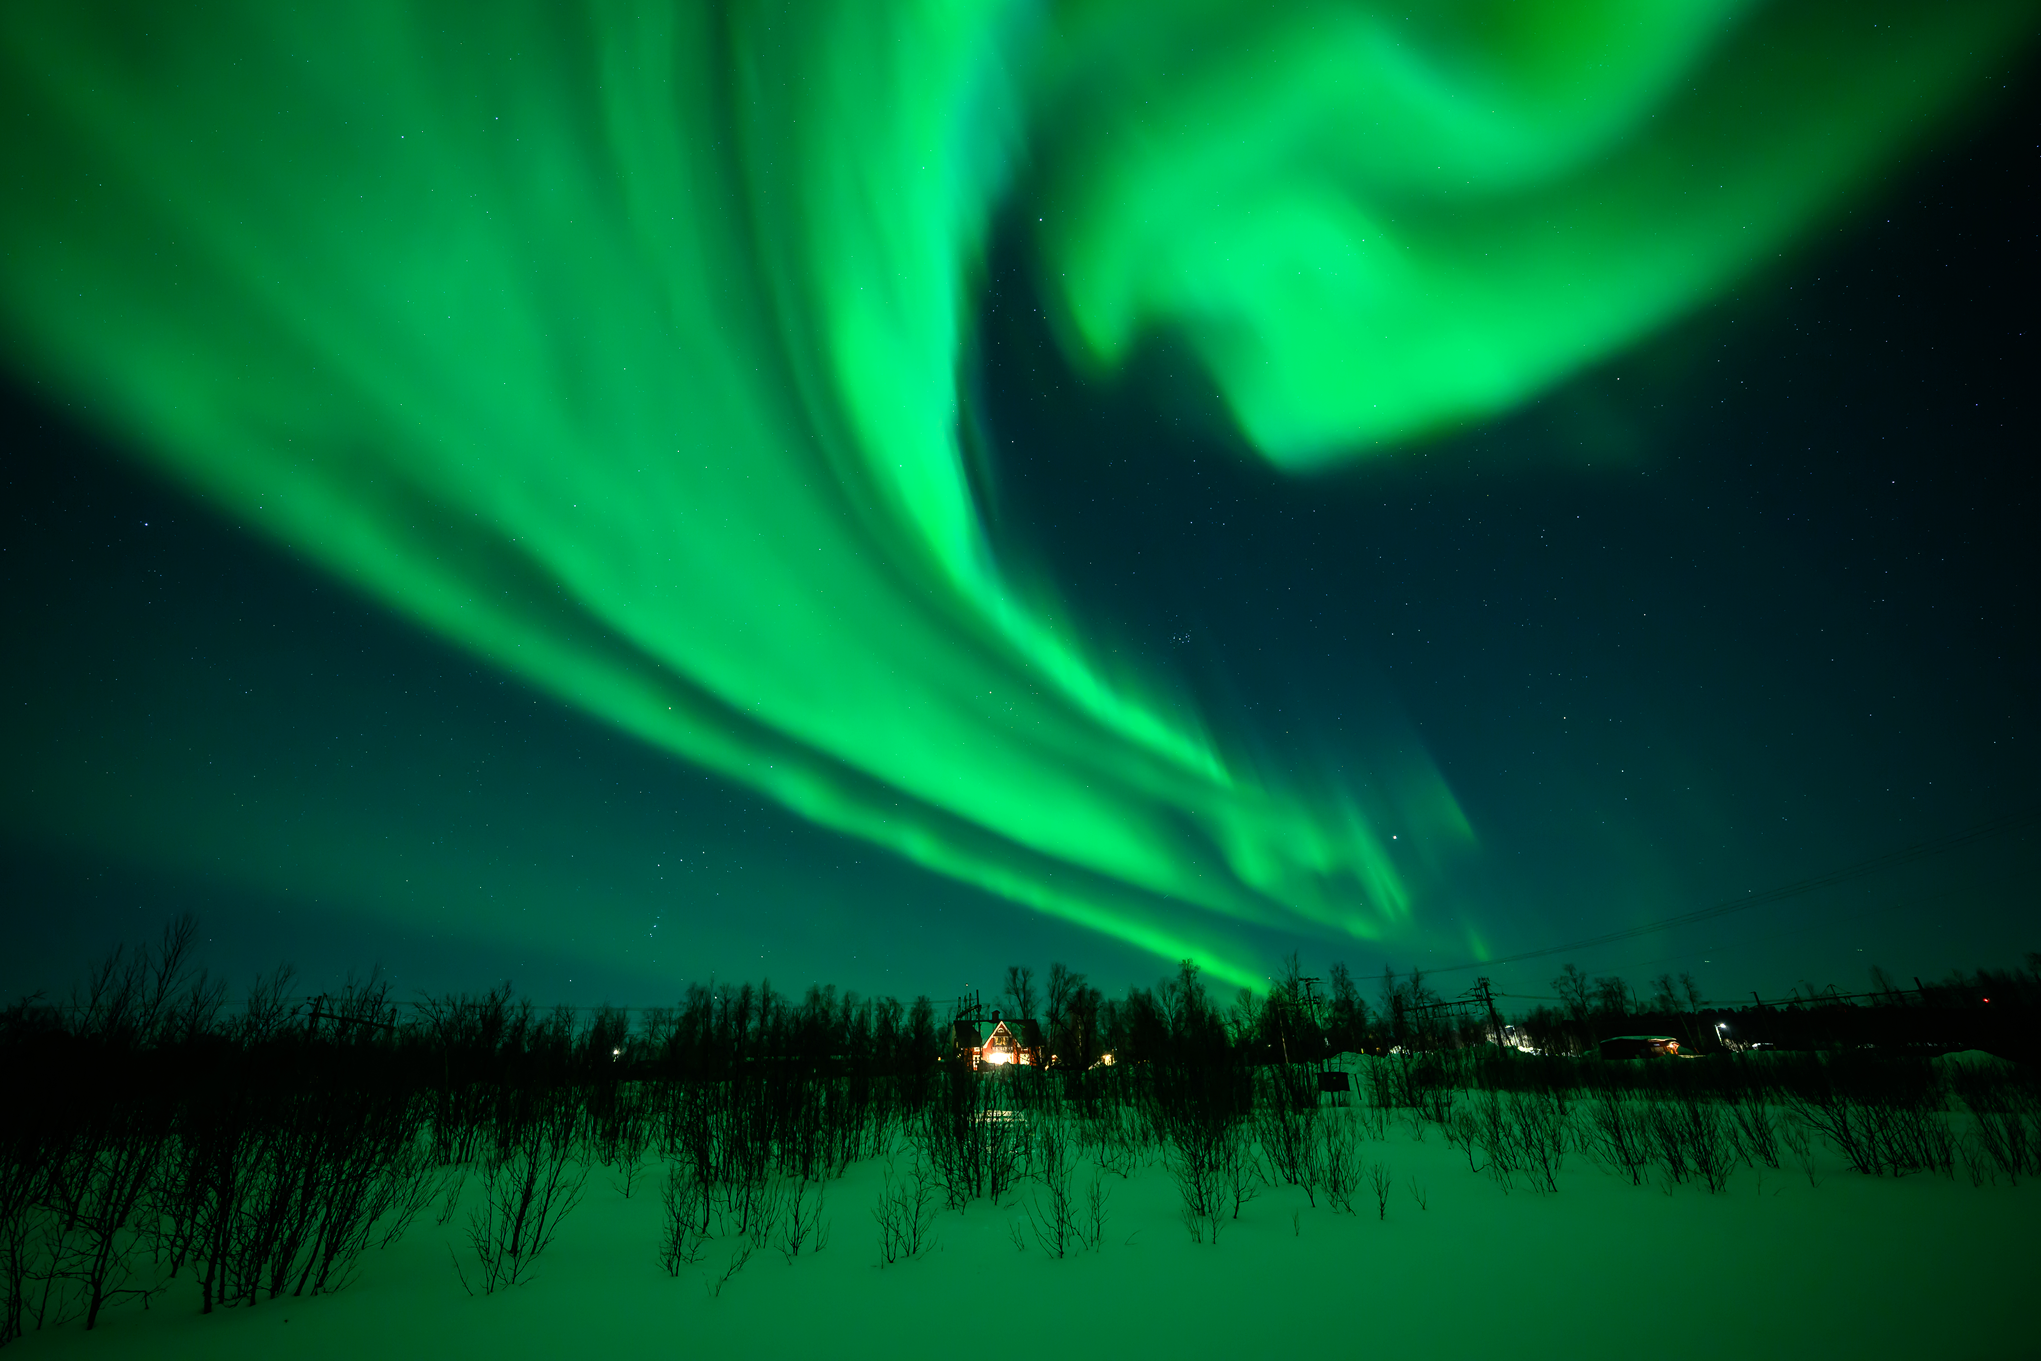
(964, 1034)
(1021, 1032)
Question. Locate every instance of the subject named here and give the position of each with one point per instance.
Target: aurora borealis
(649, 354)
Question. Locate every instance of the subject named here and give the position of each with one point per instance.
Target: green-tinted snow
(1919, 1266)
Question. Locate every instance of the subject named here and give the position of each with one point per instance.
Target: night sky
(1744, 603)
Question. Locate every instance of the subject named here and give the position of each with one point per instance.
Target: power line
(1921, 850)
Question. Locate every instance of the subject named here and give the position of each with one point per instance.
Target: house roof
(1020, 1033)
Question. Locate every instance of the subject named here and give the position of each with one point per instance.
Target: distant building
(1640, 1047)
(1011, 1042)
(1511, 1037)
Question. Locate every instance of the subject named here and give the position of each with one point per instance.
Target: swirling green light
(619, 341)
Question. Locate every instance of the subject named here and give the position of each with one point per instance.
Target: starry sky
(1740, 602)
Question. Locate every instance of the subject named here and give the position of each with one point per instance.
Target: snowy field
(1779, 1263)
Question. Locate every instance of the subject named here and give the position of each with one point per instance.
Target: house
(1640, 1047)
(1018, 1041)
(965, 1042)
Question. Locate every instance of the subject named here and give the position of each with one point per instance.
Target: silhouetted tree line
(154, 1135)
(151, 1137)
(1994, 1010)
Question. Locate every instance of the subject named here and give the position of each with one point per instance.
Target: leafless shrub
(2003, 1139)
(973, 1138)
(1709, 1148)
(371, 1190)
(1381, 1086)
(1338, 1157)
(1052, 1212)
(453, 1180)
(1495, 1135)
(1976, 1162)
(1753, 1128)
(1381, 1179)
(1799, 1140)
(1463, 1132)
(1896, 1135)
(1092, 1228)
(684, 1235)
(1669, 1144)
(2009, 1141)
(738, 1259)
(94, 1195)
(531, 1182)
(1618, 1134)
(1285, 1124)
(1196, 1165)
(1119, 1134)
(801, 1222)
(1521, 1136)
(1240, 1170)
(906, 1215)
(768, 1210)
(1540, 1130)
(423, 1185)
(1008, 1145)
(629, 1141)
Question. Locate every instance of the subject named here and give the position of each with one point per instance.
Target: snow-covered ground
(1854, 1266)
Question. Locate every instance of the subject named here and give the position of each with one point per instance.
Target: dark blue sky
(1752, 603)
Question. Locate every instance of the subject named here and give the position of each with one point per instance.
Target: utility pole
(1311, 1009)
(1487, 995)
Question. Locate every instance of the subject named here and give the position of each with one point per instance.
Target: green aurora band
(620, 341)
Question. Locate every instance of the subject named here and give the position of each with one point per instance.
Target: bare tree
(629, 1138)
(1019, 996)
(1381, 1179)
(1241, 1170)
(1338, 1157)
(1617, 1133)
(1286, 1121)
(1053, 1211)
(685, 1234)
(1064, 987)
(1093, 1227)
(1199, 1156)
(801, 1223)
(531, 1182)
(1575, 994)
(906, 1214)
(1612, 999)
(737, 1262)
